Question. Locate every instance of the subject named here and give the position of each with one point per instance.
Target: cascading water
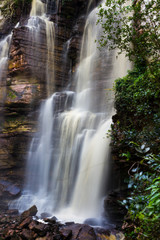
(38, 18)
(68, 158)
(4, 50)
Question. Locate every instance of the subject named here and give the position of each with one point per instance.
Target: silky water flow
(37, 23)
(69, 156)
(4, 52)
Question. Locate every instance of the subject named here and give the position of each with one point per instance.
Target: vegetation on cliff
(136, 136)
(12, 9)
(133, 28)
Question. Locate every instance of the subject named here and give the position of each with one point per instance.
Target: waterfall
(38, 18)
(38, 8)
(4, 51)
(68, 158)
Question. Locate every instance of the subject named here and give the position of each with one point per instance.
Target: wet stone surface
(27, 226)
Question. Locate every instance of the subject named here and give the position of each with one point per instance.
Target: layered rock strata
(26, 80)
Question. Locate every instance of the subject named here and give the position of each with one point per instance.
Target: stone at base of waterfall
(30, 212)
(95, 222)
(114, 211)
(79, 231)
(26, 227)
(52, 220)
(45, 215)
(13, 212)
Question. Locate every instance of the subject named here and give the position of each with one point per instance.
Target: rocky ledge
(28, 226)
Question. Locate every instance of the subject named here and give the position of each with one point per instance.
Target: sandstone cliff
(25, 84)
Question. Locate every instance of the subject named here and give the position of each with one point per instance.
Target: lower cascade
(68, 159)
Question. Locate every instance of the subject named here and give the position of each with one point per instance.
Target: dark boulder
(79, 231)
(30, 212)
(52, 220)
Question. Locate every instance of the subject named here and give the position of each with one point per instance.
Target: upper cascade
(38, 17)
(4, 56)
(4, 51)
(38, 8)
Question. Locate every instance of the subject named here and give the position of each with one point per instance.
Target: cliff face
(25, 85)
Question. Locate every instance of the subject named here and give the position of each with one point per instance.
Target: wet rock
(49, 236)
(12, 154)
(102, 233)
(114, 211)
(54, 227)
(80, 231)
(52, 220)
(5, 219)
(12, 212)
(92, 221)
(30, 212)
(45, 215)
(26, 222)
(103, 222)
(11, 234)
(87, 232)
(39, 228)
(14, 228)
(67, 233)
(69, 223)
(27, 234)
(9, 190)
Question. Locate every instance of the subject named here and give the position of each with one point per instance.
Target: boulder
(52, 220)
(26, 222)
(27, 234)
(67, 233)
(45, 215)
(39, 228)
(30, 212)
(79, 231)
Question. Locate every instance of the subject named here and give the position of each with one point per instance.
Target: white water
(38, 17)
(4, 52)
(69, 157)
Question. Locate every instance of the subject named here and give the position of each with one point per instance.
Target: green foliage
(10, 7)
(144, 203)
(136, 133)
(140, 89)
(136, 128)
(11, 94)
(137, 22)
(137, 98)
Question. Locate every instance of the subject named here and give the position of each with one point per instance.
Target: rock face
(11, 13)
(26, 78)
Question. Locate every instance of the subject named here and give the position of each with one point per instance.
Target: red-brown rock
(30, 212)
(26, 222)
